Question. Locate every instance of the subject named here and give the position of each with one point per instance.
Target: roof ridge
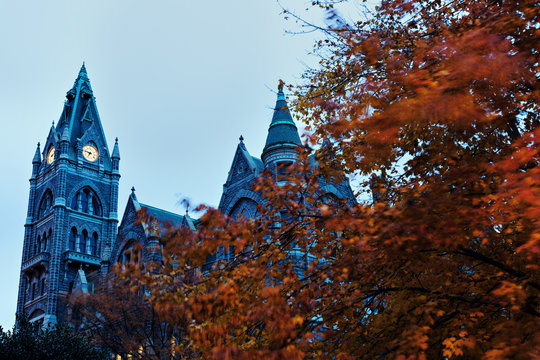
(153, 207)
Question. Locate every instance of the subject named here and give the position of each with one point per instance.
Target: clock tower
(72, 209)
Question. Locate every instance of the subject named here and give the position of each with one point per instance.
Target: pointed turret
(116, 151)
(115, 157)
(37, 156)
(283, 137)
(65, 135)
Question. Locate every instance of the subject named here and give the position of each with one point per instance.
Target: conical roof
(282, 129)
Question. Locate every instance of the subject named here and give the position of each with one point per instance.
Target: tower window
(72, 239)
(282, 169)
(45, 205)
(84, 200)
(92, 248)
(87, 202)
(49, 239)
(83, 241)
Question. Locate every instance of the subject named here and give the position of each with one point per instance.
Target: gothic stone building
(71, 232)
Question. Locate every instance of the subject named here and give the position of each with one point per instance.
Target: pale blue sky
(176, 81)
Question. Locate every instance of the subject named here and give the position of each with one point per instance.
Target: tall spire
(82, 73)
(282, 133)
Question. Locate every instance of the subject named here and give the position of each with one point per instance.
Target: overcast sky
(176, 81)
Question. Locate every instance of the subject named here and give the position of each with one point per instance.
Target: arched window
(96, 207)
(83, 241)
(72, 239)
(86, 201)
(49, 240)
(45, 205)
(282, 170)
(131, 254)
(92, 248)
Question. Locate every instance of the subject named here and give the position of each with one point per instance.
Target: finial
(133, 190)
(241, 138)
(280, 94)
(82, 72)
(38, 144)
(116, 140)
(53, 123)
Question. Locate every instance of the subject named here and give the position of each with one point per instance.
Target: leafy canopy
(438, 102)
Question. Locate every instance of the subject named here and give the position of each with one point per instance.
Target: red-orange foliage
(439, 100)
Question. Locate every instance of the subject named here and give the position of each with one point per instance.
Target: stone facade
(72, 235)
(72, 208)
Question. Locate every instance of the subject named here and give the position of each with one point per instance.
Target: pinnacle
(82, 73)
(37, 155)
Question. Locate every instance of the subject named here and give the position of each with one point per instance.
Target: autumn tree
(118, 317)
(438, 102)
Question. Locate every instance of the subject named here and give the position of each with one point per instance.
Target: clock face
(50, 155)
(90, 153)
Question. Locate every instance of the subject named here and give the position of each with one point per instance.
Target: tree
(439, 101)
(29, 341)
(119, 318)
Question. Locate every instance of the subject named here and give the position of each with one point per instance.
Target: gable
(243, 166)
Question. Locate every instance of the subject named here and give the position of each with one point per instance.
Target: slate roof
(282, 128)
(162, 215)
(80, 116)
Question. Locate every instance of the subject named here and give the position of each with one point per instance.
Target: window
(42, 290)
(83, 240)
(131, 254)
(87, 202)
(49, 239)
(72, 239)
(33, 290)
(45, 206)
(84, 200)
(282, 170)
(92, 248)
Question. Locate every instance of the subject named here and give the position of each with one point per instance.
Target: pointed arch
(247, 194)
(46, 204)
(244, 206)
(86, 200)
(72, 199)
